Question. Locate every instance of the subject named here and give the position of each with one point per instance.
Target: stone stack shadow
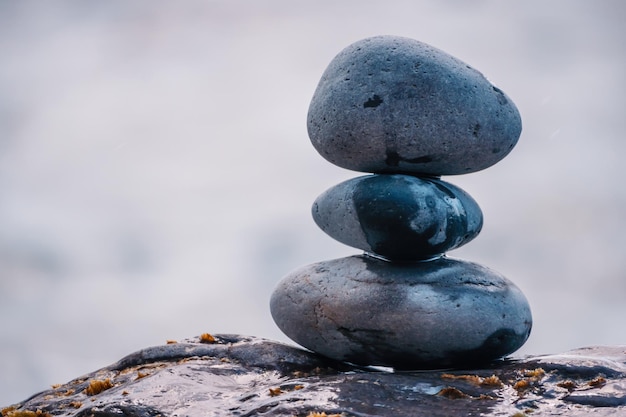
(407, 113)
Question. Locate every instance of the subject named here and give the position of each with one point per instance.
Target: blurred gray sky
(156, 176)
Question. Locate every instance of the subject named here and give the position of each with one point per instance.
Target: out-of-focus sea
(156, 176)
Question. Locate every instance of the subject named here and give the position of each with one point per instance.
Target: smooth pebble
(399, 217)
(390, 104)
(423, 315)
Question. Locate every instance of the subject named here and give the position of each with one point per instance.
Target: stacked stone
(407, 113)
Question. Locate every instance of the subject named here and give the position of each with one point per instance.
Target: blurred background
(156, 176)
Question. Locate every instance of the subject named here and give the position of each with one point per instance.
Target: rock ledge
(231, 375)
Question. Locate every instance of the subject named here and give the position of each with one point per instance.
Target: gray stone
(434, 314)
(389, 104)
(399, 217)
(247, 376)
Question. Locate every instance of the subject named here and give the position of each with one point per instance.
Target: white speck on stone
(441, 234)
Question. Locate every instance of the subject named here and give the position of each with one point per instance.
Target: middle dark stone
(399, 217)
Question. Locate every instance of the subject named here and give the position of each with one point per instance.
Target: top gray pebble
(389, 104)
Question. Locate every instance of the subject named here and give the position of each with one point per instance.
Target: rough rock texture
(389, 104)
(440, 313)
(231, 375)
(400, 217)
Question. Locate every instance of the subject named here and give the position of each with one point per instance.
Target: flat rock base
(229, 375)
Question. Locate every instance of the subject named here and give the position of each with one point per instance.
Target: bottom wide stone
(426, 315)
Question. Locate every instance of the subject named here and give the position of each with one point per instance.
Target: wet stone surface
(230, 375)
(399, 217)
(441, 313)
(389, 104)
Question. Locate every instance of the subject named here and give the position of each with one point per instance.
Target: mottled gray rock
(432, 314)
(246, 376)
(399, 217)
(389, 104)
